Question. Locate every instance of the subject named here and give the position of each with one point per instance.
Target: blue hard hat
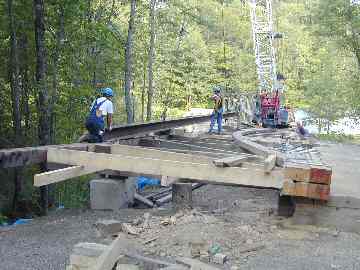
(216, 89)
(108, 92)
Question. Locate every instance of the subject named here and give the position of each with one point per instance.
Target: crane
(265, 59)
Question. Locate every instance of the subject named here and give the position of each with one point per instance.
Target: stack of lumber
(307, 180)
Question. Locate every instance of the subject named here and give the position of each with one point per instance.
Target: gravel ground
(233, 217)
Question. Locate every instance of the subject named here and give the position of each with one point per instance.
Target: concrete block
(110, 194)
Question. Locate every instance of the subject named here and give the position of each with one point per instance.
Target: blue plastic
(142, 181)
(21, 221)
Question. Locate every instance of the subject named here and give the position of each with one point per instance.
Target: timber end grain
(308, 173)
(306, 190)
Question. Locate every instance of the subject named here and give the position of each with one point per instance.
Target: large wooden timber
(125, 150)
(245, 176)
(56, 176)
(19, 157)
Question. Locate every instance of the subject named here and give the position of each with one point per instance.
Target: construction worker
(303, 132)
(102, 107)
(217, 113)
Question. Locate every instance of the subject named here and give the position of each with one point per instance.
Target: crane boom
(263, 36)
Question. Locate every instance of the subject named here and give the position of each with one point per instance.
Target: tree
(128, 64)
(41, 67)
(151, 59)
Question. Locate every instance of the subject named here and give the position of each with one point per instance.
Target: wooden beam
(56, 176)
(19, 157)
(245, 176)
(231, 161)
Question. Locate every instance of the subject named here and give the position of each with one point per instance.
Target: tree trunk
(43, 95)
(55, 84)
(151, 60)
(25, 84)
(143, 95)
(14, 75)
(15, 96)
(128, 64)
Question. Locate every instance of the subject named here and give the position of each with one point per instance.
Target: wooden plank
(307, 190)
(136, 151)
(231, 161)
(244, 176)
(56, 176)
(269, 163)
(196, 147)
(192, 152)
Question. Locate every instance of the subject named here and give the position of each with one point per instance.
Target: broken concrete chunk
(108, 227)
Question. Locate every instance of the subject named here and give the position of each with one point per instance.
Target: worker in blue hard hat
(100, 109)
(217, 114)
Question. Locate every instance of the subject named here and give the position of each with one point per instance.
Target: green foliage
(3, 219)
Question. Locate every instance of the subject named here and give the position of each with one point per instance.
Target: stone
(127, 267)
